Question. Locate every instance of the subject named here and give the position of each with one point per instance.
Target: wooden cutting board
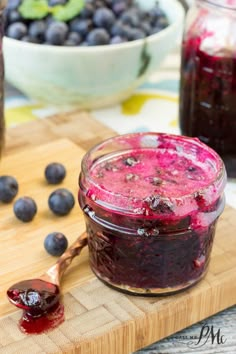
(98, 320)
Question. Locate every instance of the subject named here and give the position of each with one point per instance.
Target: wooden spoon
(38, 296)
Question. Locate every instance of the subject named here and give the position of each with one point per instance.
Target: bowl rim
(102, 48)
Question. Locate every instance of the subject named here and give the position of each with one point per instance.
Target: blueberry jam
(151, 203)
(208, 81)
(40, 302)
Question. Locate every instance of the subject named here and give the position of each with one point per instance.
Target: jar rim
(229, 6)
(186, 200)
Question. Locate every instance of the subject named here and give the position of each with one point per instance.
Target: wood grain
(77, 126)
(99, 320)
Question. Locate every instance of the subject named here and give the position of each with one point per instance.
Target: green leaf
(68, 11)
(38, 9)
(34, 9)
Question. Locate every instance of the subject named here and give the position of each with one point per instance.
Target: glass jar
(2, 125)
(208, 77)
(151, 203)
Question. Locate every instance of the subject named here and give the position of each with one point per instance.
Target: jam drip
(38, 325)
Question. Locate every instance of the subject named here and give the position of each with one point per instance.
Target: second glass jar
(208, 77)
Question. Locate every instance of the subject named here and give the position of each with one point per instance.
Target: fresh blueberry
(122, 30)
(81, 26)
(84, 44)
(162, 22)
(73, 39)
(37, 30)
(25, 209)
(108, 3)
(155, 13)
(8, 188)
(14, 16)
(118, 29)
(99, 4)
(49, 20)
(136, 33)
(55, 172)
(56, 2)
(55, 243)
(61, 201)
(56, 33)
(155, 30)
(146, 27)
(29, 39)
(87, 11)
(130, 18)
(117, 40)
(17, 30)
(98, 36)
(13, 4)
(104, 18)
(119, 7)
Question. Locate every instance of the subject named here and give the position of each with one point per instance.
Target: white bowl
(90, 77)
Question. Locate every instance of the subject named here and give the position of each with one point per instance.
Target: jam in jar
(208, 77)
(151, 202)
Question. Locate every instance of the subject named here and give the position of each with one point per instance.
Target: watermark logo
(208, 335)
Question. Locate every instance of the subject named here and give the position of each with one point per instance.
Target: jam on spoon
(40, 298)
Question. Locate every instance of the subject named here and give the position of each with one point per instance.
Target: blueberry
(146, 27)
(73, 39)
(122, 30)
(84, 44)
(162, 22)
(29, 39)
(8, 188)
(155, 13)
(37, 30)
(14, 16)
(130, 18)
(99, 4)
(87, 11)
(49, 20)
(13, 4)
(56, 2)
(61, 201)
(119, 7)
(117, 40)
(17, 30)
(56, 33)
(155, 30)
(55, 243)
(81, 26)
(108, 2)
(118, 29)
(25, 209)
(104, 18)
(136, 33)
(98, 36)
(55, 172)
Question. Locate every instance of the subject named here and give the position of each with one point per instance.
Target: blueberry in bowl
(97, 52)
